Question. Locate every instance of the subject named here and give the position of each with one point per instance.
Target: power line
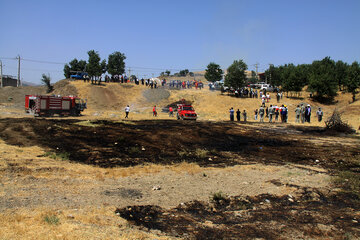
(40, 61)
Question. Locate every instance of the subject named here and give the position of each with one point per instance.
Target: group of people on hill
(186, 84)
(302, 114)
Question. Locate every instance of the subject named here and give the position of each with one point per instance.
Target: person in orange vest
(171, 112)
(154, 111)
(196, 85)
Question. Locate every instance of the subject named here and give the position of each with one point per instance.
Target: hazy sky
(157, 35)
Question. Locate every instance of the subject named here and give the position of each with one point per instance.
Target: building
(8, 80)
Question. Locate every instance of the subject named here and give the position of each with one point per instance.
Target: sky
(156, 35)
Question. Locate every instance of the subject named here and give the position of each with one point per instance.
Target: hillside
(109, 100)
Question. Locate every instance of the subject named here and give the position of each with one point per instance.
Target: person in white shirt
(127, 110)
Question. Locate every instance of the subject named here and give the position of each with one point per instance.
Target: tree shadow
(325, 100)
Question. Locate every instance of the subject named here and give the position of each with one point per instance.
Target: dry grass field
(99, 176)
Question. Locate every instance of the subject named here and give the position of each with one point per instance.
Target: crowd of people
(186, 84)
(275, 113)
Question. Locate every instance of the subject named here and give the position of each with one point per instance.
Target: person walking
(319, 114)
(171, 112)
(297, 114)
(231, 114)
(154, 111)
(127, 110)
(238, 113)
(261, 113)
(244, 115)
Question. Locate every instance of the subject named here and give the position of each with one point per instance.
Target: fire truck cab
(186, 112)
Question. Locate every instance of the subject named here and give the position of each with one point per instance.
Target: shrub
(201, 153)
(134, 150)
(218, 196)
(52, 219)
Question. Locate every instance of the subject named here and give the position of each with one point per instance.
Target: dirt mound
(16, 95)
(174, 104)
(64, 88)
(156, 95)
(264, 216)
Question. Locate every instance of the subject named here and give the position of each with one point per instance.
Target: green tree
(74, 66)
(273, 75)
(341, 73)
(116, 64)
(67, 71)
(352, 82)
(322, 79)
(213, 72)
(94, 68)
(293, 78)
(184, 72)
(235, 76)
(167, 72)
(46, 80)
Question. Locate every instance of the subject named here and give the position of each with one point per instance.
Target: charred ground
(128, 143)
(313, 213)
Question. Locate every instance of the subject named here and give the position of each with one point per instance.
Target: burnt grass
(218, 144)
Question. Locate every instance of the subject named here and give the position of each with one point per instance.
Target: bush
(335, 123)
(52, 220)
(218, 196)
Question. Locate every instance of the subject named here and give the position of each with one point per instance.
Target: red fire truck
(42, 105)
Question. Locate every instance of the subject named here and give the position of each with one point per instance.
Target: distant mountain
(25, 84)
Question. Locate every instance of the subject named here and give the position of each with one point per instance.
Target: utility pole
(1, 78)
(270, 71)
(129, 70)
(18, 78)
(257, 73)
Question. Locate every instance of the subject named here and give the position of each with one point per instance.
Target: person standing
(271, 113)
(171, 112)
(127, 110)
(238, 113)
(297, 114)
(261, 113)
(154, 111)
(302, 113)
(319, 114)
(308, 113)
(231, 114)
(244, 115)
(256, 114)
(277, 114)
(286, 113)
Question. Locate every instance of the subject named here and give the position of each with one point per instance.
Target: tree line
(95, 67)
(323, 77)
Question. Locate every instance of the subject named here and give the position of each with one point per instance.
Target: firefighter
(154, 111)
(171, 112)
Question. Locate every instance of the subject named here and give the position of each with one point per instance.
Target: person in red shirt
(154, 111)
(171, 112)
